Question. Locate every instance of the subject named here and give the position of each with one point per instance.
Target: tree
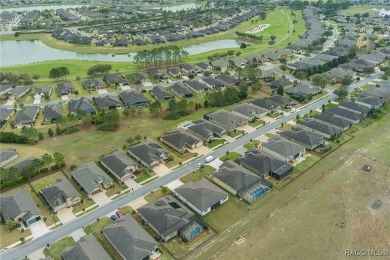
(273, 37)
(319, 80)
(300, 75)
(243, 45)
(10, 225)
(271, 42)
(59, 158)
(368, 70)
(164, 190)
(155, 107)
(341, 92)
(31, 134)
(138, 137)
(130, 140)
(99, 68)
(263, 15)
(280, 90)
(346, 81)
(36, 77)
(126, 112)
(230, 52)
(47, 159)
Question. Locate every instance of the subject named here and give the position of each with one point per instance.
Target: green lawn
(285, 127)
(8, 238)
(155, 195)
(144, 176)
(309, 161)
(215, 143)
(56, 248)
(180, 158)
(117, 188)
(236, 133)
(198, 174)
(275, 114)
(330, 105)
(227, 214)
(268, 135)
(46, 181)
(230, 156)
(257, 123)
(251, 144)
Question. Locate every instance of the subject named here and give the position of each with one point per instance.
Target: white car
(209, 159)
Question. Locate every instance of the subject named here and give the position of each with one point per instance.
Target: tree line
(163, 55)
(59, 72)
(99, 69)
(21, 78)
(249, 36)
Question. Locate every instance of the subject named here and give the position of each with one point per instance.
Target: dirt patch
(259, 28)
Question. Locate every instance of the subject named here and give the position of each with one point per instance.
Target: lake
(24, 52)
(382, 11)
(177, 8)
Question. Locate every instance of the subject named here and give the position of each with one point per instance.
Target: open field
(333, 212)
(359, 9)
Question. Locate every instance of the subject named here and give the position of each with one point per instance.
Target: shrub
(63, 165)
(73, 167)
(43, 170)
(55, 167)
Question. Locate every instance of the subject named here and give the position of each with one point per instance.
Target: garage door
(34, 220)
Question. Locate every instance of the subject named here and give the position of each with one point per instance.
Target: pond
(382, 11)
(177, 8)
(40, 8)
(24, 52)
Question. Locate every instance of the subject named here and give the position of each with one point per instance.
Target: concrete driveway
(100, 198)
(132, 184)
(138, 203)
(38, 228)
(125, 87)
(37, 100)
(173, 185)
(102, 91)
(202, 150)
(215, 164)
(247, 128)
(64, 98)
(65, 215)
(161, 170)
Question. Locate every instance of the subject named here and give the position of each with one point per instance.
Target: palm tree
(10, 225)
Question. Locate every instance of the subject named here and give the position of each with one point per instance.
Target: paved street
(82, 221)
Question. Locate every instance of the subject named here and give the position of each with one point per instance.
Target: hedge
(12, 183)
(55, 167)
(63, 165)
(43, 170)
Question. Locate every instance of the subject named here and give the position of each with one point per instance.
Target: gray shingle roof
(166, 215)
(24, 164)
(133, 98)
(87, 248)
(91, 177)
(249, 110)
(65, 87)
(302, 136)
(6, 154)
(148, 152)
(205, 129)
(180, 138)
(303, 89)
(202, 194)
(236, 176)
(53, 112)
(354, 106)
(345, 113)
(107, 102)
(322, 127)
(15, 203)
(333, 119)
(283, 146)
(160, 92)
(57, 193)
(227, 119)
(27, 115)
(83, 104)
(129, 238)
(5, 113)
(181, 89)
(118, 162)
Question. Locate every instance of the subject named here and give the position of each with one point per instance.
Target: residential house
(203, 67)
(137, 76)
(202, 196)
(334, 120)
(369, 101)
(88, 247)
(4, 88)
(221, 64)
(5, 114)
(267, 75)
(212, 83)
(355, 117)
(169, 218)
(65, 88)
(196, 86)
(174, 72)
(228, 80)
(226, 119)
(120, 43)
(53, 112)
(160, 93)
(303, 90)
(94, 84)
(180, 141)
(26, 164)
(61, 195)
(240, 181)
(148, 154)
(281, 101)
(282, 82)
(133, 98)
(129, 239)
(250, 111)
(41, 91)
(239, 61)
(188, 69)
(205, 130)
(283, 149)
(352, 106)
(120, 165)
(308, 139)
(92, 178)
(26, 117)
(8, 156)
(17, 92)
(19, 207)
(265, 104)
(263, 165)
(107, 102)
(157, 74)
(114, 80)
(325, 129)
(83, 104)
(181, 90)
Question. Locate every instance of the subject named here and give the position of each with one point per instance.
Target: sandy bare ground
(259, 28)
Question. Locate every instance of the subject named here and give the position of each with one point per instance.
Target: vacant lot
(333, 213)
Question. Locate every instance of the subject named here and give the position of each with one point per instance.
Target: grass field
(230, 156)
(55, 249)
(332, 213)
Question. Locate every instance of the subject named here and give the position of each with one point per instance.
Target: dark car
(114, 217)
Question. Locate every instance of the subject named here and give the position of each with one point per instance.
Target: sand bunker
(259, 28)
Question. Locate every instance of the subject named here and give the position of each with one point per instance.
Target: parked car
(114, 218)
(119, 214)
(199, 165)
(209, 159)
